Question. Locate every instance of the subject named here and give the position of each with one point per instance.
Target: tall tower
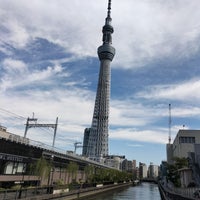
(95, 144)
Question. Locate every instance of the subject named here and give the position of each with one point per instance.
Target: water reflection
(146, 191)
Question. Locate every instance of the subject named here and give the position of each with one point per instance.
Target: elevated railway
(19, 154)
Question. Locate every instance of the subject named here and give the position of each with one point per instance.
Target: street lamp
(52, 169)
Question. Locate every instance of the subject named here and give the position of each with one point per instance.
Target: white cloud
(40, 75)
(119, 116)
(150, 30)
(12, 31)
(129, 112)
(185, 91)
(144, 30)
(18, 74)
(14, 66)
(130, 134)
(74, 108)
(135, 145)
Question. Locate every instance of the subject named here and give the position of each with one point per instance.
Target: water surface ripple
(145, 191)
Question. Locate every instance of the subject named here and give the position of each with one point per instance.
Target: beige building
(114, 161)
(183, 144)
(142, 170)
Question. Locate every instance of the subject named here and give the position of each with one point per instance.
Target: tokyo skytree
(95, 143)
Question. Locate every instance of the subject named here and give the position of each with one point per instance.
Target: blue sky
(49, 66)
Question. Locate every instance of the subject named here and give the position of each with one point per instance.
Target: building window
(9, 168)
(190, 140)
(14, 168)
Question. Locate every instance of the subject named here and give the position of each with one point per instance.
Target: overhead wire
(47, 130)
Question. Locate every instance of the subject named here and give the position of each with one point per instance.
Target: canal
(146, 191)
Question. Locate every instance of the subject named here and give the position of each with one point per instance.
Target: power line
(12, 114)
(47, 131)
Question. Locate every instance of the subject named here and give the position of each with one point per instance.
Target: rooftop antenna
(170, 122)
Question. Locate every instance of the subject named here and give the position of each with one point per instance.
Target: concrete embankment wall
(81, 193)
(169, 195)
(162, 193)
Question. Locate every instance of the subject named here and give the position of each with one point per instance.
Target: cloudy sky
(49, 67)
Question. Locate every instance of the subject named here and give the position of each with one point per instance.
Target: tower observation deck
(95, 143)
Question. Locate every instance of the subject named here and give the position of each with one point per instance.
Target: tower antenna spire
(109, 8)
(108, 18)
(107, 28)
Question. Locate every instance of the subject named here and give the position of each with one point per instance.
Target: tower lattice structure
(95, 144)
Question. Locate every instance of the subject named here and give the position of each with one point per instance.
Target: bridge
(151, 180)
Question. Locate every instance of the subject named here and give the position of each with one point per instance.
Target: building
(96, 138)
(136, 174)
(85, 141)
(120, 163)
(130, 166)
(114, 161)
(135, 170)
(186, 145)
(169, 150)
(153, 171)
(142, 170)
(134, 164)
(127, 165)
(163, 169)
(183, 144)
(197, 154)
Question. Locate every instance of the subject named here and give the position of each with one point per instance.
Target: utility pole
(36, 125)
(55, 130)
(76, 145)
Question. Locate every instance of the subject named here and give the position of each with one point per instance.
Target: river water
(144, 191)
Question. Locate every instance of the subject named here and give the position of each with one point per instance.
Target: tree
(180, 162)
(89, 173)
(42, 168)
(172, 170)
(72, 169)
